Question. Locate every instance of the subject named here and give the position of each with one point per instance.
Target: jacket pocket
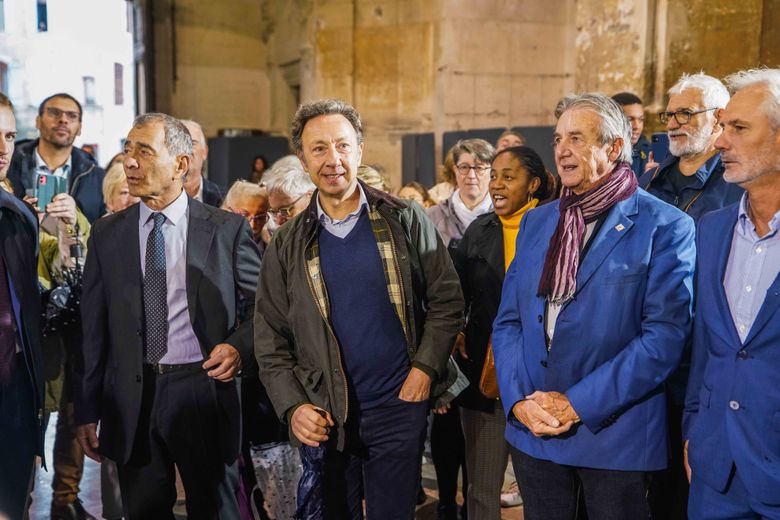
(625, 279)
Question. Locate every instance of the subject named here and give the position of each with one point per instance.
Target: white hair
(614, 123)
(713, 92)
(770, 78)
(241, 190)
(288, 178)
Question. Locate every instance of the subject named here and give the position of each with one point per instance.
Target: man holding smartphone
(53, 154)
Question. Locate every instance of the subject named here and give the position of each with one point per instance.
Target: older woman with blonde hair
(116, 194)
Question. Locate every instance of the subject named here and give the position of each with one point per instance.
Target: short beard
(695, 144)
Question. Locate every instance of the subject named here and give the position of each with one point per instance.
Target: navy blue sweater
(369, 332)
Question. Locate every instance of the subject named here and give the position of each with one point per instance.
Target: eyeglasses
(480, 169)
(252, 219)
(56, 113)
(681, 116)
(285, 212)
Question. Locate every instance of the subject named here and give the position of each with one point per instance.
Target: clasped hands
(546, 413)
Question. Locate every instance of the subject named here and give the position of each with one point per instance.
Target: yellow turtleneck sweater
(510, 226)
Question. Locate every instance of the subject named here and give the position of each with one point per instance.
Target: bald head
(200, 151)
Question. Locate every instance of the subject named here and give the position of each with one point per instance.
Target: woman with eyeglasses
(471, 158)
(251, 202)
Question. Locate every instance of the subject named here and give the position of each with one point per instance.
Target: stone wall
(414, 66)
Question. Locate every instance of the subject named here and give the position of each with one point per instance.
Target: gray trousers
(487, 455)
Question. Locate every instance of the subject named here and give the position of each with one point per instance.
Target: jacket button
(539, 318)
(544, 363)
(742, 354)
(137, 379)
(138, 331)
(734, 405)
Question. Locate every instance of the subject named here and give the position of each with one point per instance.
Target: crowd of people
(611, 329)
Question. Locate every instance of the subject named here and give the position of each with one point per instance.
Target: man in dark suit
(161, 341)
(198, 187)
(21, 383)
(732, 411)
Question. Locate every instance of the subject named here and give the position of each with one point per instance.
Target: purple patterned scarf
(559, 276)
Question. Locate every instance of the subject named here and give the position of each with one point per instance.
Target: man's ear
(615, 149)
(182, 166)
(716, 124)
(303, 161)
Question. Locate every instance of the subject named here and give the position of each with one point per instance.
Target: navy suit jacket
(615, 342)
(732, 410)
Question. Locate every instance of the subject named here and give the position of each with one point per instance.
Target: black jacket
(19, 243)
(213, 193)
(85, 182)
(479, 260)
(222, 261)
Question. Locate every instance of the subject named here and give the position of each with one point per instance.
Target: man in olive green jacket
(358, 305)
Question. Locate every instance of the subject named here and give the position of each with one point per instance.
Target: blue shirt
(183, 345)
(753, 265)
(341, 228)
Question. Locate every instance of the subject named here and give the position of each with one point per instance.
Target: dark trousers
(18, 436)
(550, 491)
(381, 461)
(178, 426)
(669, 488)
(448, 450)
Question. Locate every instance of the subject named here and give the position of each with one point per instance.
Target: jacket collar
(376, 201)
(81, 162)
(703, 174)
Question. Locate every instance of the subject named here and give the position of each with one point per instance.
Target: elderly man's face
(152, 171)
(283, 207)
(199, 154)
(581, 160)
(749, 146)
(331, 154)
(693, 137)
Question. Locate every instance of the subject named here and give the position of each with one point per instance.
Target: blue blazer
(615, 342)
(727, 374)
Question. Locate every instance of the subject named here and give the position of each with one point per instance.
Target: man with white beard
(690, 178)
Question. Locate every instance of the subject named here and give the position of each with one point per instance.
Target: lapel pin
(620, 227)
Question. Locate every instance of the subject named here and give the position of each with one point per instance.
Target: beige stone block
(492, 95)
(457, 93)
(525, 97)
(475, 46)
(553, 89)
(377, 13)
(546, 11)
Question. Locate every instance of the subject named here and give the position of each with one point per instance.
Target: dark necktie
(156, 293)
(7, 328)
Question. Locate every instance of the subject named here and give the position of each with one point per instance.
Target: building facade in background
(82, 47)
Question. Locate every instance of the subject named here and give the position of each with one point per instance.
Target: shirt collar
(40, 163)
(746, 225)
(323, 217)
(174, 212)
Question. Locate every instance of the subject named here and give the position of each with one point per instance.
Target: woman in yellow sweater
(518, 183)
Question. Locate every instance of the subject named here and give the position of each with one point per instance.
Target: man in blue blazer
(594, 314)
(732, 413)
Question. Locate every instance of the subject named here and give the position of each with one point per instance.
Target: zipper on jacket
(332, 333)
(78, 178)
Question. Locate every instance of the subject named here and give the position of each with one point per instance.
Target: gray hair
(479, 148)
(289, 180)
(323, 107)
(178, 140)
(770, 78)
(242, 189)
(614, 123)
(713, 92)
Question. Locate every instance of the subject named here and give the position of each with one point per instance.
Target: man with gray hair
(162, 344)
(195, 184)
(732, 419)
(358, 305)
(690, 178)
(289, 190)
(593, 319)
